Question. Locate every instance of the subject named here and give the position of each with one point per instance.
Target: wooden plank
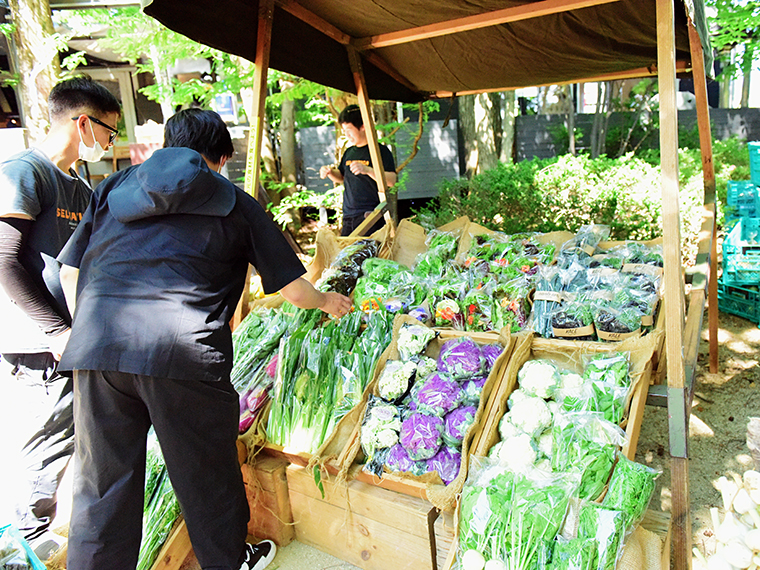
(636, 415)
(369, 527)
(708, 169)
(256, 132)
(681, 67)
(375, 216)
(674, 317)
(369, 122)
(316, 22)
(507, 15)
(408, 514)
(175, 549)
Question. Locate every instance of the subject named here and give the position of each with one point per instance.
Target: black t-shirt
(360, 192)
(155, 295)
(31, 184)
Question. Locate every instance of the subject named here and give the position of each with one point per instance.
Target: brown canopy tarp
(574, 41)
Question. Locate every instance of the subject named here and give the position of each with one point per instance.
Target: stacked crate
(739, 286)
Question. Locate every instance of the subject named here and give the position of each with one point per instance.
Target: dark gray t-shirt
(31, 184)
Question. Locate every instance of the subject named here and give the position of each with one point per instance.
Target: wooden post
(708, 169)
(256, 131)
(369, 123)
(674, 307)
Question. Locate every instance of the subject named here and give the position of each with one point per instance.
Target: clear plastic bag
(630, 489)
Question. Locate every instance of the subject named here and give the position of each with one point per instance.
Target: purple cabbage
(461, 358)
(472, 390)
(456, 423)
(421, 436)
(398, 459)
(446, 462)
(438, 395)
(491, 352)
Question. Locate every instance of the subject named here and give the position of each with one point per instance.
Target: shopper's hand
(325, 171)
(336, 304)
(58, 344)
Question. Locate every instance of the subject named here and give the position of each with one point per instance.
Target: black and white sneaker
(258, 556)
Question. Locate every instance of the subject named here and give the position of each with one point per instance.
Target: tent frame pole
(355, 60)
(674, 306)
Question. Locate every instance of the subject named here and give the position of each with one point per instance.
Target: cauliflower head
(531, 415)
(538, 378)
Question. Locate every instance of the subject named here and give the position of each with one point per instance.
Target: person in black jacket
(162, 255)
(41, 202)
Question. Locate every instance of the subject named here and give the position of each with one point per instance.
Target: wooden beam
(477, 21)
(681, 67)
(708, 170)
(674, 308)
(261, 67)
(375, 216)
(369, 121)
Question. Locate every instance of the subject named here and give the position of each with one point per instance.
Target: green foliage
(735, 27)
(556, 194)
(566, 192)
(332, 199)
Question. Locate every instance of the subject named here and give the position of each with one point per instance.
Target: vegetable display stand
(266, 489)
(570, 353)
(368, 526)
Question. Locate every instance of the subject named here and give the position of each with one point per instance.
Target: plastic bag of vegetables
(587, 443)
(461, 358)
(379, 431)
(345, 270)
(605, 526)
(421, 435)
(630, 489)
(437, 395)
(395, 380)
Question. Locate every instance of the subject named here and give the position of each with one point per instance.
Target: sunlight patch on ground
(742, 347)
(699, 428)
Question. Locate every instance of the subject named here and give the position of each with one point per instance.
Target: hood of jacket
(172, 181)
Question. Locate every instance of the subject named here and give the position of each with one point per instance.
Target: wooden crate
(266, 488)
(368, 526)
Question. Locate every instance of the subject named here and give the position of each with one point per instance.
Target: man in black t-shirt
(360, 190)
(158, 264)
(41, 202)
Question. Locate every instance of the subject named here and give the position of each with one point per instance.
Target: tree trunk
(37, 62)
(164, 82)
(747, 61)
(488, 156)
(597, 124)
(724, 101)
(288, 152)
(468, 127)
(571, 122)
(509, 110)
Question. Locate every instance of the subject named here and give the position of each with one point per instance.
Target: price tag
(617, 336)
(554, 296)
(588, 330)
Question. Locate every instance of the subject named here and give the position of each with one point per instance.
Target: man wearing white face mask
(41, 202)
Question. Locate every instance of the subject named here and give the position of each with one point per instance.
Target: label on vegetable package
(601, 271)
(617, 336)
(642, 268)
(602, 294)
(554, 296)
(589, 249)
(647, 321)
(588, 330)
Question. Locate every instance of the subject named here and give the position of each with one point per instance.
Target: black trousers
(197, 426)
(350, 223)
(45, 456)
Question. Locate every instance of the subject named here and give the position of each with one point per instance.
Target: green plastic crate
(754, 161)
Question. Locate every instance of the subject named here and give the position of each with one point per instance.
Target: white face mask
(93, 153)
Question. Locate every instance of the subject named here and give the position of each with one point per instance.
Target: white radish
(752, 539)
(495, 564)
(744, 505)
(728, 490)
(473, 560)
(731, 528)
(737, 554)
(756, 559)
(752, 484)
(718, 562)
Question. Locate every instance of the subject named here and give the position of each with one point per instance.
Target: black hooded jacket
(163, 250)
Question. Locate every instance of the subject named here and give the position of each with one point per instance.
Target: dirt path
(723, 403)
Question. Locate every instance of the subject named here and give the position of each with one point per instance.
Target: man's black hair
(351, 114)
(203, 131)
(78, 95)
